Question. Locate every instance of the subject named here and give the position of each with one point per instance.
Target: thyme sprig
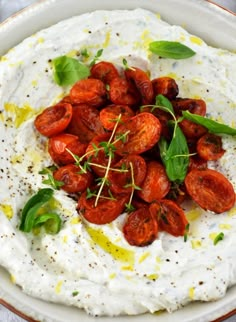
(129, 206)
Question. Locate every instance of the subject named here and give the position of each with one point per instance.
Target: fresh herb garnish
(51, 181)
(186, 232)
(96, 57)
(171, 49)
(211, 125)
(174, 155)
(67, 70)
(218, 238)
(31, 216)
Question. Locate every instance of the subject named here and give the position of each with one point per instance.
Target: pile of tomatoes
(115, 143)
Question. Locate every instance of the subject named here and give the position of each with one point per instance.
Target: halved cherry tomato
(106, 210)
(98, 156)
(123, 93)
(210, 189)
(74, 181)
(196, 162)
(85, 123)
(105, 71)
(121, 182)
(110, 113)
(143, 130)
(88, 91)
(54, 119)
(142, 82)
(141, 227)
(191, 130)
(163, 117)
(171, 217)
(166, 86)
(58, 145)
(156, 184)
(209, 147)
(195, 106)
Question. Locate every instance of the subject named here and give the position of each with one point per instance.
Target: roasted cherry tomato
(97, 155)
(171, 217)
(141, 227)
(74, 180)
(106, 210)
(191, 130)
(141, 132)
(156, 184)
(196, 162)
(85, 123)
(54, 119)
(121, 182)
(58, 145)
(104, 71)
(123, 93)
(210, 189)
(109, 115)
(195, 106)
(209, 147)
(165, 86)
(163, 118)
(88, 91)
(142, 82)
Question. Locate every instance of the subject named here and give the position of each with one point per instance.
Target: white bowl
(198, 17)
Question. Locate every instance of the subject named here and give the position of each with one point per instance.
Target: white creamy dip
(93, 267)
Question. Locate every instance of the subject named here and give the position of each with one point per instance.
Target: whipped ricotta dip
(89, 266)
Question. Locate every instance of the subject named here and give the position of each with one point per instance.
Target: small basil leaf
(163, 147)
(51, 222)
(218, 238)
(211, 125)
(67, 70)
(163, 101)
(171, 49)
(28, 223)
(176, 157)
(42, 196)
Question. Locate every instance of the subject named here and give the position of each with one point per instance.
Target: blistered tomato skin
(59, 145)
(109, 115)
(85, 123)
(171, 217)
(165, 86)
(106, 210)
(209, 147)
(123, 93)
(211, 190)
(142, 133)
(74, 181)
(105, 71)
(142, 82)
(88, 91)
(54, 119)
(156, 184)
(121, 182)
(141, 227)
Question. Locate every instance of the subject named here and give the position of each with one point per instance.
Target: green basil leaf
(68, 70)
(31, 215)
(211, 125)
(176, 156)
(171, 49)
(41, 197)
(163, 101)
(51, 222)
(218, 238)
